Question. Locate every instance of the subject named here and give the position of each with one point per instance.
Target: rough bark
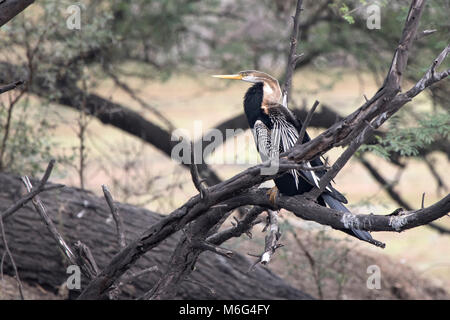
(40, 261)
(10, 8)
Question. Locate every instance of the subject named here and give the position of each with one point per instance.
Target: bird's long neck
(253, 101)
(272, 92)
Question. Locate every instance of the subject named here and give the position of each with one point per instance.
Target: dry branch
(306, 122)
(39, 206)
(292, 57)
(302, 207)
(10, 8)
(195, 175)
(272, 237)
(83, 257)
(35, 191)
(11, 86)
(11, 258)
(243, 226)
(389, 188)
(116, 216)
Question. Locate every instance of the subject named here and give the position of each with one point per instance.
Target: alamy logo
(74, 280)
(373, 20)
(73, 22)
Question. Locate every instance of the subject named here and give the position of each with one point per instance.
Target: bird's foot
(273, 195)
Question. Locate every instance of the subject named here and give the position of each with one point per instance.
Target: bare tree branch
(431, 166)
(144, 104)
(116, 216)
(306, 122)
(205, 246)
(389, 188)
(38, 205)
(35, 191)
(424, 33)
(11, 86)
(10, 8)
(83, 258)
(302, 207)
(242, 226)
(137, 275)
(11, 258)
(272, 237)
(292, 58)
(198, 182)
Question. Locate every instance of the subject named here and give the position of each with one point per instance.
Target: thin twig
(292, 58)
(216, 249)
(306, 122)
(198, 182)
(345, 156)
(272, 237)
(271, 240)
(424, 33)
(83, 257)
(5, 242)
(137, 275)
(423, 200)
(143, 104)
(7, 125)
(312, 263)
(39, 206)
(86, 257)
(389, 188)
(242, 226)
(440, 183)
(116, 216)
(35, 191)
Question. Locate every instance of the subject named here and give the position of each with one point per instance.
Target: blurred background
(153, 59)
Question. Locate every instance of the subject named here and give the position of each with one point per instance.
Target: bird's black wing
(286, 130)
(289, 128)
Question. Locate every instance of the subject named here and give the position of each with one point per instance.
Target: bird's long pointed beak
(228, 76)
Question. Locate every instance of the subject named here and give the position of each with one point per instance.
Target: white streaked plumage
(281, 138)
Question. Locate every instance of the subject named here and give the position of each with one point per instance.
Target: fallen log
(80, 215)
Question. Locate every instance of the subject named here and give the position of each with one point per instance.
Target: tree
(202, 215)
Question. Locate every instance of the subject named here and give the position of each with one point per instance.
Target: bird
(276, 129)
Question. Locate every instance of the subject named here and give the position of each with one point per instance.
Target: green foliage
(344, 11)
(407, 141)
(28, 147)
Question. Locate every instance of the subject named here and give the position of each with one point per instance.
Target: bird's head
(272, 90)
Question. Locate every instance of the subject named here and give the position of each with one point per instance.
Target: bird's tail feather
(360, 234)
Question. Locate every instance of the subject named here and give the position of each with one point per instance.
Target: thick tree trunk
(80, 215)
